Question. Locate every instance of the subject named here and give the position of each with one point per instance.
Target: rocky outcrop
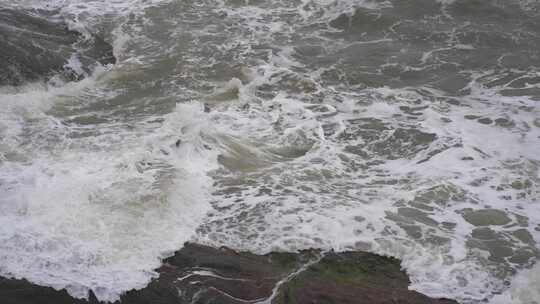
(206, 275)
(37, 45)
(352, 278)
(22, 292)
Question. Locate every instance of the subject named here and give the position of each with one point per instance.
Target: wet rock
(208, 275)
(37, 45)
(206, 108)
(14, 291)
(201, 274)
(351, 277)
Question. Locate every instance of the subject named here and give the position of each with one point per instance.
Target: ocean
(403, 128)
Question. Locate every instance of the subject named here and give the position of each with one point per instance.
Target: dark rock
(221, 276)
(201, 274)
(37, 45)
(206, 108)
(352, 278)
(14, 291)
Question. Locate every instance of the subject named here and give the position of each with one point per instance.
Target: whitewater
(403, 128)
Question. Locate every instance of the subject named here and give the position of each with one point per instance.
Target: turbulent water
(406, 128)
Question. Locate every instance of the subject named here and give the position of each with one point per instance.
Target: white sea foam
(87, 218)
(99, 213)
(326, 207)
(525, 288)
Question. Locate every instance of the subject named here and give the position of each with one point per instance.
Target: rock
(14, 291)
(220, 276)
(352, 278)
(37, 45)
(201, 274)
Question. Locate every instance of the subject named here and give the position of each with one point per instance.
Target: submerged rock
(202, 274)
(37, 45)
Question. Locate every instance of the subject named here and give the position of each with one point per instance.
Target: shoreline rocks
(37, 44)
(206, 275)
